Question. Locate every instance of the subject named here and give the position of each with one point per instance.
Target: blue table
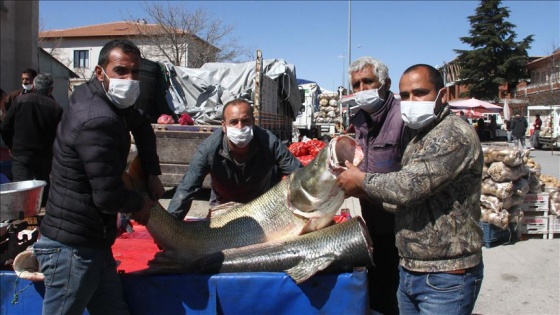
(234, 293)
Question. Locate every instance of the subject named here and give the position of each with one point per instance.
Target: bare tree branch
(186, 38)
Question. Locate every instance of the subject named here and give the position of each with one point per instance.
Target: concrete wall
(19, 24)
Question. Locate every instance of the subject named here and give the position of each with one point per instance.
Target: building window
(81, 58)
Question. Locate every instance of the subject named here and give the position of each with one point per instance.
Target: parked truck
(270, 85)
(320, 113)
(549, 136)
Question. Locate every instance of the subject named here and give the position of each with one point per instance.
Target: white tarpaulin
(202, 92)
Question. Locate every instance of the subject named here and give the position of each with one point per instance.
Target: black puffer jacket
(89, 158)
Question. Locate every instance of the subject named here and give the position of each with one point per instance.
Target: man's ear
(99, 73)
(388, 84)
(443, 93)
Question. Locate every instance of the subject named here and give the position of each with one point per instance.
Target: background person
(380, 131)
(437, 198)
(27, 77)
(481, 128)
(462, 116)
(493, 126)
(508, 129)
(534, 140)
(518, 127)
(89, 157)
(244, 161)
(29, 129)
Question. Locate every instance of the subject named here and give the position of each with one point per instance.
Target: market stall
(225, 293)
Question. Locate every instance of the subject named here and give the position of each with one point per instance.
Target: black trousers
(33, 167)
(383, 279)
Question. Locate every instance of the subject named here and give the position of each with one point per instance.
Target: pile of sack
(329, 111)
(508, 175)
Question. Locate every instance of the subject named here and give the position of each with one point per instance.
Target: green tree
(496, 58)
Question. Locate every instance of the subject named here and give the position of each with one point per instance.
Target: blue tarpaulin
(227, 293)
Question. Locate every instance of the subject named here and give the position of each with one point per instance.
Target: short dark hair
(235, 102)
(30, 71)
(434, 75)
(126, 46)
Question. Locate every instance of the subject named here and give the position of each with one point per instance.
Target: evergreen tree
(496, 57)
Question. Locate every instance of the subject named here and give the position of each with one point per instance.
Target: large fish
(305, 201)
(336, 247)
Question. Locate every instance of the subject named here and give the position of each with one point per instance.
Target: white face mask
(369, 100)
(240, 136)
(122, 93)
(418, 114)
(27, 87)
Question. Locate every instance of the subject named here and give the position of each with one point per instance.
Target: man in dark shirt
(536, 132)
(29, 129)
(27, 77)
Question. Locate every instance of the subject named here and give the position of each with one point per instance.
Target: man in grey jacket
(437, 198)
(243, 160)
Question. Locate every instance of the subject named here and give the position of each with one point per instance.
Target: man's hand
(350, 181)
(143, 215)
(155, 187)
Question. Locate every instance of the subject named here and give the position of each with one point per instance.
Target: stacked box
(494, 236)
(554, 224)
(534, 225)
(536, 202)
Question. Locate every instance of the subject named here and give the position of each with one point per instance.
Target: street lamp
(343, 62)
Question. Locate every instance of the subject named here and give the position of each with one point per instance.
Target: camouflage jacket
(437, 193)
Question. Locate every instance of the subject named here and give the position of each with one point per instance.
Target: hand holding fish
(155, 187)
(350, 181)
(143, 215)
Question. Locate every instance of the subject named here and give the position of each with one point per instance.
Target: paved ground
(521, 278)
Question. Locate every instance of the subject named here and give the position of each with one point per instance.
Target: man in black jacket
(29, 129)
(89, 157)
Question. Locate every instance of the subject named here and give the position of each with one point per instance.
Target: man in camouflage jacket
(437, 198)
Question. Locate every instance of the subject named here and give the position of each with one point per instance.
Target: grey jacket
(269, 161)
(437, 193)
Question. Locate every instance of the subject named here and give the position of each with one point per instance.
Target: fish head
(313, 192)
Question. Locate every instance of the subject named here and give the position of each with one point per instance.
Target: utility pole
(349, 39)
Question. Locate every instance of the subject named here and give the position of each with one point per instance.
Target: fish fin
(223, 208)
(227, 206)
(307, 268)
(165, 263)
(316, 224)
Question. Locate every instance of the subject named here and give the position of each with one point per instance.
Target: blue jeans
(77, 278)
(439, 293)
